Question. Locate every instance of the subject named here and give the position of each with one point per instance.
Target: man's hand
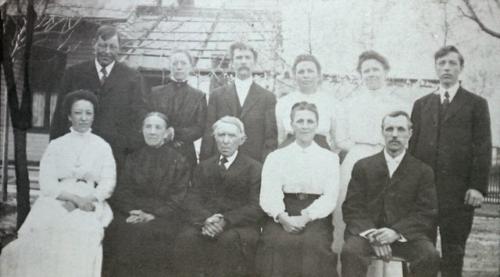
(474, 198)
(385, 236)
(290, 223)
(383, 251)
(138, 216)
(213, 226)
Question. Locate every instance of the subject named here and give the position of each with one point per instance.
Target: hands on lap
(381, 240)
(213, 226)
(293, 224)
(138, 216)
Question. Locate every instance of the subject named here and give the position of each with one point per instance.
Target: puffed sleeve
(49, 183)
(325, 204)
(107, 177)
(271, 192)
(338, 129)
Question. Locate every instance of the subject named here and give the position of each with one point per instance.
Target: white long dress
(52, 241)
(364, 114)
(329, 110)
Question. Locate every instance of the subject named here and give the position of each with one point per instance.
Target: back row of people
(460, 170)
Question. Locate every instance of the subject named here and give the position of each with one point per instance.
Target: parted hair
(77, 95)
(306, 58)
(241, 46)
(445, 50)
(372, 55)
(157, 114)
(396, 114)
(229, 120)
(304, 106)
(106, 32)
(183, 51)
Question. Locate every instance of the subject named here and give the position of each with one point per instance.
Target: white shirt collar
(242, 88)
(76, 133)
(452, 91)
(99, 67)
(309, 149)
(230, 160)
(393, 163)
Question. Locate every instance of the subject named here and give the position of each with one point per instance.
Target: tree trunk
(22, 176)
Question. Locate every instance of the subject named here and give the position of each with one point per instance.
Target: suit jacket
(121, 104)
(233, 193)
(186, 109)
(257, 114)
(406, 202)
(458, 148)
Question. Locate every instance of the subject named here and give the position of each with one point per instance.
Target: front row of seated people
(213, 223)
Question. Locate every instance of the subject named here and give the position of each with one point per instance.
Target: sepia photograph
(250, 138)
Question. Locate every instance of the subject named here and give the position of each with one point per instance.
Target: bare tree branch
(474, 17)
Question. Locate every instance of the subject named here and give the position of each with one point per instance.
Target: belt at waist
(78, 180)
(301, 196)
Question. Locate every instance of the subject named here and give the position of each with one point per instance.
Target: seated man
(223, 210)
(391, 206)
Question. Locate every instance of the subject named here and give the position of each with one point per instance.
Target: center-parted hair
(185, 52)
(396, 114)
(304, 106)
(306, 58)
(77, 95)
(229, 120)
(157, 114)
(372, 55)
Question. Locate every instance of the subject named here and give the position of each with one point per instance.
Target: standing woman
(364, 112)
(185, 106)
(299, 192)
(329, 134)
(63, 232)
(147, 205)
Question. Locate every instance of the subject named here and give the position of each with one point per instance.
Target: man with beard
(119, 90)
(452, 134)
(391, 206)
(246, 100)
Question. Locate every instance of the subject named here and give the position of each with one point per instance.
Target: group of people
(269, 195)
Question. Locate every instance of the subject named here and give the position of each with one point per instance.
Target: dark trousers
(454, 228)
(232, 253)
(421, 254)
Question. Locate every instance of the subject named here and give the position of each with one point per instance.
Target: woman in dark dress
(147, 205)
(185, 106)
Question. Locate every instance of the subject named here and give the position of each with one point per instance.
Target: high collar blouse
(293, 169)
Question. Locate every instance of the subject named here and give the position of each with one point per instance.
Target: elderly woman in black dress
(147, 205)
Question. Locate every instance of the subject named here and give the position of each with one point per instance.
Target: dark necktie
(445, 104)
(223, 162)
(104, 75)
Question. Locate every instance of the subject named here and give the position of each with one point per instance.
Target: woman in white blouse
(363, 113)
(299, 192)
(307, 72)
(63, 232)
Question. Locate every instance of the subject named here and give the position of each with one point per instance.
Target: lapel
(233, 171)
(381, 171)
(91, 73)
(113, 77)
(431, 109)
(400, 172)
(231, 99)
(251, 99)
(458, 101)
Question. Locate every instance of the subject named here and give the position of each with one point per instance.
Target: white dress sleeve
(48, 180)
(271, 191)
(107, 177)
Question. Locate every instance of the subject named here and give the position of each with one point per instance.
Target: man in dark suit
(119, 90)
(452, 135)
(391, 206)
(223, 210)
(244, 99)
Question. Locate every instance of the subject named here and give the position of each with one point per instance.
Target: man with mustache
(391, 206)
(119, 90)
(452, 134)
(246, 100)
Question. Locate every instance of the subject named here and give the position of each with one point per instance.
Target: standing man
(452, 134)
(223, 210)
(249, 102)
(119, 90)
(391, 206)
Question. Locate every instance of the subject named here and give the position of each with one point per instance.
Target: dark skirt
(142, 249)
(307, 253)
